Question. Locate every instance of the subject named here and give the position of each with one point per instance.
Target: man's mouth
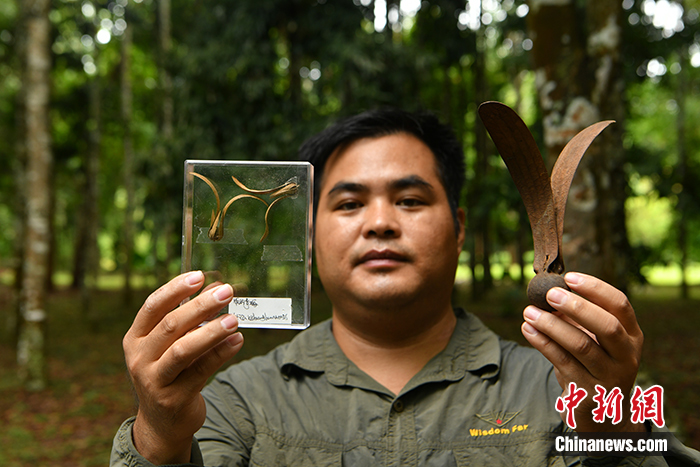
(383, 257)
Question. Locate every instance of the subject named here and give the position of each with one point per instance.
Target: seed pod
(539, 286)
(544, 196)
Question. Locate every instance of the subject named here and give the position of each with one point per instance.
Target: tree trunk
(91, 206)
(51, 260)
(31, 343)
(480, 221)
(126, 116)
(166, 133)
(18, 165)
(165, 45)
(79, 249)
(86, 253)
(576, 56)
(682, 174)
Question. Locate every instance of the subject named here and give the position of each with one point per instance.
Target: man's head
(388, 231)
(439, 138)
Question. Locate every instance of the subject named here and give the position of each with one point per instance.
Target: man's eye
(348, 206)
(410, 202)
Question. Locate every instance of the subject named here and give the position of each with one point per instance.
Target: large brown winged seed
(544, 198)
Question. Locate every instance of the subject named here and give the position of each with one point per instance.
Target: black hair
(387, 121)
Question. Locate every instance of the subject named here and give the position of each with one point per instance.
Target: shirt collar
(473, 348)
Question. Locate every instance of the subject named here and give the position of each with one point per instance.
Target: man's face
(384, 233)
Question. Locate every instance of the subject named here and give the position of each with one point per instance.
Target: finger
(199, 372)
(193, 347)
(567, 347)
(212, 285)
(607, 328)
(207, 288)
(164, 300)
(606, 297)
(185, 319)
(563, 361)
(574, 324)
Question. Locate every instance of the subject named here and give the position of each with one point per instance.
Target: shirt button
(398, 406)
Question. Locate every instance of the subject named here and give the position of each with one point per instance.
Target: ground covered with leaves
(72, 423)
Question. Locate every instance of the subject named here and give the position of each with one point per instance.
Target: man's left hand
(592, 339)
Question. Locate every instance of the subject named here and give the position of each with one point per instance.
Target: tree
(129, 173)
(661, 46)
(577, 59)
(37, 64)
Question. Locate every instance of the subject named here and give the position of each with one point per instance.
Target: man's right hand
(170, 359)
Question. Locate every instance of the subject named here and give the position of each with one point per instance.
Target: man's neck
(393, 348)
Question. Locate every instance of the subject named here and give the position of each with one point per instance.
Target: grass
(72, 423)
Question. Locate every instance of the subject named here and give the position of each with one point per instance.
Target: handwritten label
(255, 312)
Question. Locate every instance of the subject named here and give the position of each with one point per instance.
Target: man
(397, 377)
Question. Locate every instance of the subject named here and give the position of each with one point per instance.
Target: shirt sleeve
(678, 453)
(124, 453)
(228, 433)
(225, 439)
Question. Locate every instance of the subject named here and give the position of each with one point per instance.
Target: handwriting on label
(261, 311)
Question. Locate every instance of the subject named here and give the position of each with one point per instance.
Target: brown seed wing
(524, 161)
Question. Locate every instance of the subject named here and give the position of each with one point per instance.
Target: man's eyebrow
(412, 181)
(348, 186)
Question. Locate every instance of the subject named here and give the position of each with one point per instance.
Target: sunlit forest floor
(73, 422)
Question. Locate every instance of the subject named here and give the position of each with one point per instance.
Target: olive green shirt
(481, 401)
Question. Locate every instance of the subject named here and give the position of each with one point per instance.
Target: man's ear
(461, 216)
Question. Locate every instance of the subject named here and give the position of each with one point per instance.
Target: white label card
(261, 312)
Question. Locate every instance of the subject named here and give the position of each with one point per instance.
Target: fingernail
(223, 292)
(235, 339)
(573, 278)
(194, 277)
(556, 296)
(532, 313)
(528, 328)
(229, 322)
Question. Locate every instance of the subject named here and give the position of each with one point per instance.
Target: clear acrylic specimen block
(248, 224)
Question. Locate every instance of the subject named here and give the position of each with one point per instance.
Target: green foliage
(663, 193)
(252, 79)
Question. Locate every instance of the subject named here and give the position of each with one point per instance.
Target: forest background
(102, 102)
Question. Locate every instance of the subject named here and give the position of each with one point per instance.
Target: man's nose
(381, 220)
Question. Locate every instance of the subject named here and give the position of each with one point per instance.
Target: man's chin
(386, 296)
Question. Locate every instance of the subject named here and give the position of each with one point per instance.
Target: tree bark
(166, 135)
(86, 252)
(576, 56)
(91, 206)
(31, 343)
(18, 165)
(126, 116)
(480, 220)
(165, 45)
(682, 175)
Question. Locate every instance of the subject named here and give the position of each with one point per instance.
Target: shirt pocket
(269, 451)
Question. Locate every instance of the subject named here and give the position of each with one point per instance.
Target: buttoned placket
(402, 439)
